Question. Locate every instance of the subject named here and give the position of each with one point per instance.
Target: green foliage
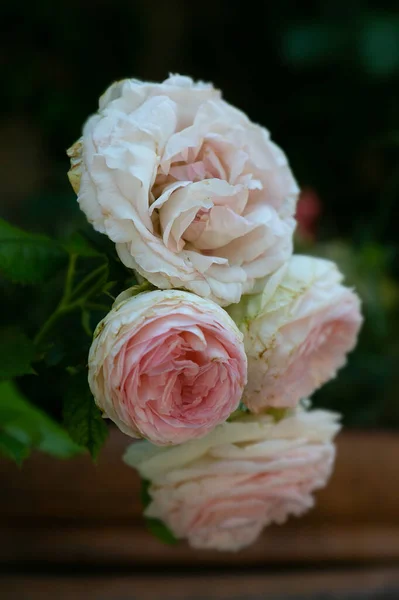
(26, 257)
(13, 449)
(16, 354)
(159, 530)
(80, 292)
(83, 419)
(29, 427)
(145, 495)
(79, 245)
(85, 281)
(155, 526)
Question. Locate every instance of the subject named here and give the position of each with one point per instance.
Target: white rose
(193, 194)
(297, 333)
(220, 491)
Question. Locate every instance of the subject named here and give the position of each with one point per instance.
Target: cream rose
(193, 194)
(297, 333)
(167, 365)
(219, 492)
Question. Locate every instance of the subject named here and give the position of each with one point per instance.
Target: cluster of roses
(201, 204)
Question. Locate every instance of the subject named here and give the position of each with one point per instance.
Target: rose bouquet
(210, 334)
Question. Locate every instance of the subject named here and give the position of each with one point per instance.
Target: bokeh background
(323, 77)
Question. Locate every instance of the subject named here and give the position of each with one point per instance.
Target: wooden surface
(375, 584)
(76, 513)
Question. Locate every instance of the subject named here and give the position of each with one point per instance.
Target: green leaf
(16, 354)
(79, 245)
(145, 496)
(92, 284)
(30, 426)
(155, 526)
(108, 286)
(85, 320)
(27, 257)
(83, 419)
(161, 531)
(12, 448)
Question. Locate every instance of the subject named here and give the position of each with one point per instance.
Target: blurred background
(323, 77)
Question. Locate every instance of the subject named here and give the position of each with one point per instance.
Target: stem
(88, 278)
(69, 278)
(63, 306)
(62, 309)
(53, 318)
(70, 299)
(96, 306)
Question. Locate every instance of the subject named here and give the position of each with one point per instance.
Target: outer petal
(297, 333)
(194, 195)
(167, 365)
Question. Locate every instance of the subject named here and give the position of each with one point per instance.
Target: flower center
(199, 199)
(184, 378)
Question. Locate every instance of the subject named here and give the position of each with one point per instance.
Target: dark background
(323, 77)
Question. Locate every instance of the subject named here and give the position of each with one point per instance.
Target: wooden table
(74, 526)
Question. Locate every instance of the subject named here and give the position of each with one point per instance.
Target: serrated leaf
(83, 419)
(27, 257)
(27, 424)
(13, 449)
(79, 245)
(16, 354)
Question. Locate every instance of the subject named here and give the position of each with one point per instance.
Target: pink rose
(219, 492)
(193, 194)
(297, 333)
(167, 365)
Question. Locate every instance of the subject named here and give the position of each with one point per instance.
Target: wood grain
(218, 587)
(76, 512)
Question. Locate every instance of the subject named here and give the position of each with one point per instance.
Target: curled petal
(167, 365)
(297, 332)
(171, 170)
(220, 491)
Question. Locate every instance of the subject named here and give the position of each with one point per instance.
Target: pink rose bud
(221, 491)
(193, 194)
(167, 365)
(297, 333)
